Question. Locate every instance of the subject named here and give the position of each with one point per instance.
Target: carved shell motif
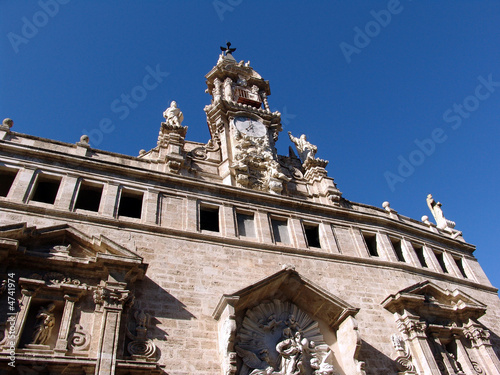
(272, 326)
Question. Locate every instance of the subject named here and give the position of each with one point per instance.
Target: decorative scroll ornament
(403, 356)
(141, 347)
(79, 339)
(277, 338)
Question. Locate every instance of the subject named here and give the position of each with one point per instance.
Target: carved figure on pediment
(45, 324)
(305, 149)
(277, 338)
(173, 115)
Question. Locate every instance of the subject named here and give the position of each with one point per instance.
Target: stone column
(24, 306)
(263, 227)
(109, 299)
(463, 355)
(62, 337)
(109, 200)
(150, 208)
(21, 186)
(480, 339)
(413, 331)
(65, 195)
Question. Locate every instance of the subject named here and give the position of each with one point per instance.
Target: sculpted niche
(277, 338)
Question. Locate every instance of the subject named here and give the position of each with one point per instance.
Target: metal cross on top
(228, 50)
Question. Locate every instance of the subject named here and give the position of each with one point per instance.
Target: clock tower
(241, 122)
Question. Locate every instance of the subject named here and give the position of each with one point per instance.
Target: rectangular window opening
(440, 259)
(460, 265)
(280, 231)
(46, 188)
(89, 196)
(312, 235)
(371, 243)
(7, 176)
(246, 226)
(130, 204)
(209, 218)
(419, 249)
(398, 249)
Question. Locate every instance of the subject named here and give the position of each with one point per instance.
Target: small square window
(46, 188)
(460, 265)
(440, 259)
(419, 249)
(246, 226)
(7, 176)
(209, 218)
(280, 231)
(371, 243)
(396, 244)
(130, 204)
(312, 235)
(89, 196)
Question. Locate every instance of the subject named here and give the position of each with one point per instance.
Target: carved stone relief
(141, 347)
(278, 338)
(403, 356)
(254, 166)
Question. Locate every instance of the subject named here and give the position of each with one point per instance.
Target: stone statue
(441, 222)
(46, 322)
(305, 149)
(173, 115)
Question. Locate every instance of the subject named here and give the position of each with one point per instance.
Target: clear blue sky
(365, 80)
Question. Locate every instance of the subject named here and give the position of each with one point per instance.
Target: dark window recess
(280, 231)
(371, 244)
(89, 197)
(420, 255)
(312, 235)
(440, 259)
(460, 266)
(130, 204)
(396, 244)
(7, 177)
(46, 189)
(209, 219)
(246, 227)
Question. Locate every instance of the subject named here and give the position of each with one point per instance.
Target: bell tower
(240, 120)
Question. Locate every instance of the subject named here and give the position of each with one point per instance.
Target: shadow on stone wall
(376, 362)
(159, 303)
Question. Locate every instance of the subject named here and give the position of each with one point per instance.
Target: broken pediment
(66, 246)
(288, 285)
(428, 300)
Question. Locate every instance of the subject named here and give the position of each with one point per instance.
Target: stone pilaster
(480, 340)
(62, 337)
(109, 299)
(413, 330)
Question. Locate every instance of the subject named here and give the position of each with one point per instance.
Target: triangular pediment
(427, 299)
(65, 245)
(289, 285)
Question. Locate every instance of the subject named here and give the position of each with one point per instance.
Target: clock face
(250, 127)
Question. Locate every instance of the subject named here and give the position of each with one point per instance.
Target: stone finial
(387, 206)
(84, 139)
(425, 219)
(8, 122)
(142, 152)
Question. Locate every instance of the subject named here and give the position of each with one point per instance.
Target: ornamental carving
(109, 296)
(278, 338)
(141, 347)
(79, 339)
(254, 166)
(403, 356)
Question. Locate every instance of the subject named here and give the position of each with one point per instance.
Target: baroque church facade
(226, 258)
